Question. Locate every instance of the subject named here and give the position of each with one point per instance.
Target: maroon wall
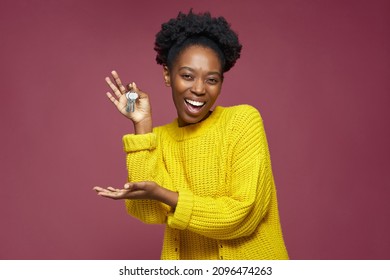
(317, 70)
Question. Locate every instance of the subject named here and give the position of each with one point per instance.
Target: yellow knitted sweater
(227, 205)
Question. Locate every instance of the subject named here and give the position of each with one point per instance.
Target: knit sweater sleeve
(142, 162)
(251, 183)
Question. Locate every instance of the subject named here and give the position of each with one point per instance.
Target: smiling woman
(196, 81)
(207, 175)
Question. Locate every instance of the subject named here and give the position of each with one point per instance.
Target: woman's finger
(113, 87)
(138, 186)
(118, 82)
(135, 88)
(110, 194)
(98, 189)
(112, 98)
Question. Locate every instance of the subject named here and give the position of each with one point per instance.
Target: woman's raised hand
(142, 116)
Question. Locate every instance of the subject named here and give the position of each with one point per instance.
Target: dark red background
(317, 70)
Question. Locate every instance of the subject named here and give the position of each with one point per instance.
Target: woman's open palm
(118, 98)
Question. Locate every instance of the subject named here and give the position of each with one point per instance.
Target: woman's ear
(167, 77)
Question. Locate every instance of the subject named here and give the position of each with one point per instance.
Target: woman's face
(196, 81)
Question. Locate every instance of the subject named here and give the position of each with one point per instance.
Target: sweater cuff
(181, 217)
(139, 142)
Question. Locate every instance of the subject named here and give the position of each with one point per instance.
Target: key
(131, 97)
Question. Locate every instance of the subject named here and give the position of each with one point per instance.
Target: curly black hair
(197, 29)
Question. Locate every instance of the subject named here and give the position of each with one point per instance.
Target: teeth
(194, 103)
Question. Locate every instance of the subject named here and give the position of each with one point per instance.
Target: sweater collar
(194, 130)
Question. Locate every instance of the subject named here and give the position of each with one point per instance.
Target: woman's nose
(198, 87)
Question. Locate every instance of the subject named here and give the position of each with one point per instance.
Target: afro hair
(197, 29)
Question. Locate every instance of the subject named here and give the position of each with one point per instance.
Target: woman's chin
(185, 119)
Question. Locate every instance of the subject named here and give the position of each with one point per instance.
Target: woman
(207, 175)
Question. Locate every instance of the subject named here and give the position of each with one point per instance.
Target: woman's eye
(212, 81)
(186, 76)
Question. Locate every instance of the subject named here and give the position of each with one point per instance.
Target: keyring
(131, 96)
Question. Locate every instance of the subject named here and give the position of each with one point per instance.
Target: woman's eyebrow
(186, 68)
(208, 73)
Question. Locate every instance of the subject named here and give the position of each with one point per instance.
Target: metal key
(131, 97)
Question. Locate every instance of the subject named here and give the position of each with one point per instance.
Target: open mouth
(194, 103)
(194, 107)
